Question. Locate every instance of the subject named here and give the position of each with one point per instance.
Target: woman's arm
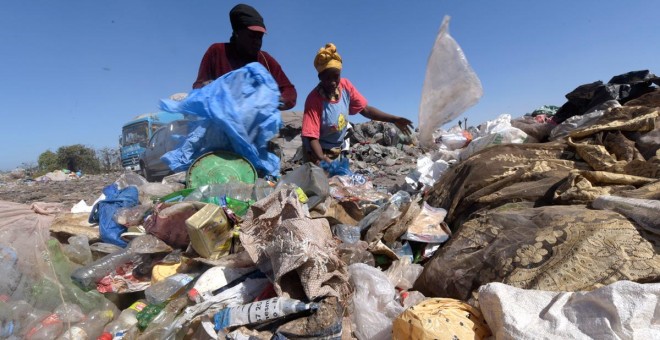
(373, 113)
(317, 150)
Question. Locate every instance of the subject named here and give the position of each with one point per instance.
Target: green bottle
(148, 313)
(43, 291)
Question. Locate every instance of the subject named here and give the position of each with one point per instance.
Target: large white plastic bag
(374, 306)
(450, 86)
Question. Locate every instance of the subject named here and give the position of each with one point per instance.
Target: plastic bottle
(263, 188)
(89, 328)
(169, 288)
(25, 317)
(87, 277)
(53, 325)
(260, 311)
(78, 250)
(11, 276)
(161, 327)
(63, 286)
(126, 320)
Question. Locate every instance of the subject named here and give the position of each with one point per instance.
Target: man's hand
(404, 125)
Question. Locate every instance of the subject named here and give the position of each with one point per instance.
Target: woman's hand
(405, 125)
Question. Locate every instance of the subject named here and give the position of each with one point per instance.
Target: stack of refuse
(496, 233)
(317, 255)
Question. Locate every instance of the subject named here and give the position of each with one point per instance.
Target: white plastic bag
(450, 86)
(374, 306)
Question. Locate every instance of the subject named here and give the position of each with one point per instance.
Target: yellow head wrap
(327, 57)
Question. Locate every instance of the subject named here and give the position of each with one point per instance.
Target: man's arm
(204, 75)
(287, 90)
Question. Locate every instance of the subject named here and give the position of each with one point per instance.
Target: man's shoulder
(217, 47)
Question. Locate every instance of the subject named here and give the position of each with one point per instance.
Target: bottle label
(138, 306)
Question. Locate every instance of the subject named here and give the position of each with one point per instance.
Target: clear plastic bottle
(89, 328)
(26, 317)
(87, 277)
(53, 325)
(126, 320)
(78, 250)
(169, 288)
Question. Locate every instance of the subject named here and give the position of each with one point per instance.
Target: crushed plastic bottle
(169, 288)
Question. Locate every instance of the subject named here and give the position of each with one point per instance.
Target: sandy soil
(88, 188)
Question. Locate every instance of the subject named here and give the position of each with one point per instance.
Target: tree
(47, 161)
(109, 158)
(78, 157)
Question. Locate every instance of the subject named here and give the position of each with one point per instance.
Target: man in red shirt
(244, 47)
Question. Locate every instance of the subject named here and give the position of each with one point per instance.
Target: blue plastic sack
(104, 210)
(238, 113)
(338, 167)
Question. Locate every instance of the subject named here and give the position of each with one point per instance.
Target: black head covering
(245, 16)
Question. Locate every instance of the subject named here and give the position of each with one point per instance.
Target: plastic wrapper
(129, 178)
(376, 225)
(374, 304)
(428, 226)
(356, 253)
(454, 139)
(450, 86)
(402, 273)
(411, 298)
(356, 188)
(346, 233)
(311, 179)
(131, 216)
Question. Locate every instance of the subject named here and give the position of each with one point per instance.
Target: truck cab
(138, 132)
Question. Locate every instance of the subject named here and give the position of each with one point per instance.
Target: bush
(47, 162)
(78, 157)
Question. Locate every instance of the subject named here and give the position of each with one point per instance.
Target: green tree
(47, 162)
(78, 157)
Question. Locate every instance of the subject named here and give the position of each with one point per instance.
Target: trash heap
(499, 229)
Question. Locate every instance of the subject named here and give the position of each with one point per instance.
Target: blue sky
(74, 71)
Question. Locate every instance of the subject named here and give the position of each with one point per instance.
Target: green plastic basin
(220, 167)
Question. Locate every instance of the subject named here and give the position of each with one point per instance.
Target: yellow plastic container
(162, 271)
(210, 231)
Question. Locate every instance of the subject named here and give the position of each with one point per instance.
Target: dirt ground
(89, 188)
(25, 190)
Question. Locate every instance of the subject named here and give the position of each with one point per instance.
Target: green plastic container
(176, 196)
(220, 167)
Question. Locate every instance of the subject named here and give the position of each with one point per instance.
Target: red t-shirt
(221, 58)
(314, 106)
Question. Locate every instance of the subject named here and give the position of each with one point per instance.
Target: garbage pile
(493, 226)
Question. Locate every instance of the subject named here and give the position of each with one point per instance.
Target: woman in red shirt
(330, 103)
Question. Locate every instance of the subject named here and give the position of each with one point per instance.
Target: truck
(137, 133)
